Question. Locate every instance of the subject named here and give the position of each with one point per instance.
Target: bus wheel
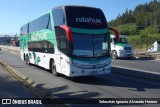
(27, 60)
(53, 68)
(114, 54)
(129, 57)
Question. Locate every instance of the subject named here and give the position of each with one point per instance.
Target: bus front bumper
(86, 72)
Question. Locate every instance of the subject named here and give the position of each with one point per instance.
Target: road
(146, 64)
(12, 88)
(102, 86)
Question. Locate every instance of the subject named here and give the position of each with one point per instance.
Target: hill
(141, 25)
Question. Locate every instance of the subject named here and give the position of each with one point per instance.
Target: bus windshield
(89, 45)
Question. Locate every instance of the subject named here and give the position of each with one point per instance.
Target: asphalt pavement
(143, 64)
(12, 88)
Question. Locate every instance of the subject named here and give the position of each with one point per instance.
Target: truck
(121, 48)
(155, 47)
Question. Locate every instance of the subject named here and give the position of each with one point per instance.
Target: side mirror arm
(116, 33)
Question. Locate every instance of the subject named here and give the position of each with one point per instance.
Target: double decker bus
(69, 40)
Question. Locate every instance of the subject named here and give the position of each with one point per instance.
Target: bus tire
(27, 59)
(53, 68)
(114, 55)
(24, 57)
(129, 58)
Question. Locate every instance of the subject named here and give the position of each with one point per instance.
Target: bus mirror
(116, 33)
(68, 32)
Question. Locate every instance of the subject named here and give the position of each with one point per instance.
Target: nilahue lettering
(88, 20)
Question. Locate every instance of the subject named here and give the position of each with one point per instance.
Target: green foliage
(142, 24)
(143, 41)
(128, 29)
(143, 16)
(149, 30)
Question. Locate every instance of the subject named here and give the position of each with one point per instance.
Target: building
(5, 40)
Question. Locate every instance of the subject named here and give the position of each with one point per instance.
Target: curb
(143, 75)
(31, 85)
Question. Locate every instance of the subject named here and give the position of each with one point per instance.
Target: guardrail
(148, 54)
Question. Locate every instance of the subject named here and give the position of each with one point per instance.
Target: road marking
(155, 60)
(124, 61)
(136, 80)
(135, 69)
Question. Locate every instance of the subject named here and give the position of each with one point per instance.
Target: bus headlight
(76, 65)
(68, 61)
(72, 63)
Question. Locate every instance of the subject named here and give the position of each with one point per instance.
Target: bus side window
(63, 45)
(38, 47)
(45, 46)
(49, 24)
(58, 16)
(50, 47)
(42, 22)
(63, 41)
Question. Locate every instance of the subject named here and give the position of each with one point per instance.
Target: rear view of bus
(74, 41)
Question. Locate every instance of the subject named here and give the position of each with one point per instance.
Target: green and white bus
(69, 40)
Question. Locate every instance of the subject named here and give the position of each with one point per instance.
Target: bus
(69, 40)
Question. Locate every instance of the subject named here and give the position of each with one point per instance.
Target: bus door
(63, 49)
(63, 55)
(44, 57)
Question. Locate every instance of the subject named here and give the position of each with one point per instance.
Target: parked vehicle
(121, 48)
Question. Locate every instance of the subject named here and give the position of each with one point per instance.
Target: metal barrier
(147, 54)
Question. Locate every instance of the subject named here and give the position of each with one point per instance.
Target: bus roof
(76, 19)
(63, 6)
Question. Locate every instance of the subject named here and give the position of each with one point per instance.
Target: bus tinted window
(42, 22)
(41, 46)
(24, 29)
(49, 25)
(58, 17)
(85, 17)
(50, 48)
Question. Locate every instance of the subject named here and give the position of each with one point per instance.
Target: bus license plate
(93, 72)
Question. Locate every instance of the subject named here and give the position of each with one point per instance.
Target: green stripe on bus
(89, 31)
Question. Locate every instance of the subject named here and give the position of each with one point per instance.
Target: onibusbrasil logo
(89, 20)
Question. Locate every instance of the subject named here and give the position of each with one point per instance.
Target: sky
(15, 13)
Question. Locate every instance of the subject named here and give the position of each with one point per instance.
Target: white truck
(121, 49)
(155, 47)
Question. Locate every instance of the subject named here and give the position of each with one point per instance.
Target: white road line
(155, 60)
(124, 61)
(135, 69)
